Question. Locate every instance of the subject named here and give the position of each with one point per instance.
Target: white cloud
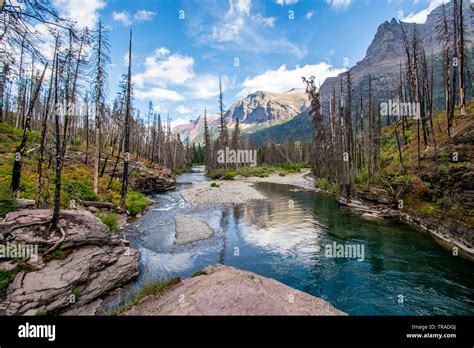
(282, 79)
(241, 29)
(182, 109)
(163, 69)
(178, 122)
(339, 4)
(122, 17)
(126, 19)
(229, 28)
(309, 14)
(205, 86)
(240, 6)
(83, 12)
(144, 16)
(165, 72)
(158, 94)
(264, 21)
(420, 17)
(162, 52)
(286, 2)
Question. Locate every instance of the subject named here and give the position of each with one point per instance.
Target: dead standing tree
(20, 151)
(101, 58)
(312, 91)
(123, 199)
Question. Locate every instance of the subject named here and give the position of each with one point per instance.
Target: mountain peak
(262, 106)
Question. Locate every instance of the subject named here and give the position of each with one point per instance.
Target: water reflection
(284, 238)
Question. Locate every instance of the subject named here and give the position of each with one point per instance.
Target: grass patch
(149, 289)
(59, 254)
(199, 273)
(6, 277)
(215, 184)
(179, 171)
(79, 190)
(76, 292)
(325, 185)
(292, 167)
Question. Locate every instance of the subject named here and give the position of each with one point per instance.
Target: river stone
(225, 290)
(372, 216)
(189, 229)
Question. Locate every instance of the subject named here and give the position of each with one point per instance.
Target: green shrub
(427, 210)
(230, 175)
(136, 202)
(325, 185)
(5, 279)
(214, 174)
(79, 190)
(215, 184)
(111, 220)
(76, 292)
(419, 188)
(7, 200)
(362, 178)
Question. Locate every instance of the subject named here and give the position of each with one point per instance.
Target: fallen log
(99, 205)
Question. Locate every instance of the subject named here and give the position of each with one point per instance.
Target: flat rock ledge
(94, 262)
(224, 290)
(189, 229)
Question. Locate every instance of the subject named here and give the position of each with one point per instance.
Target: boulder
(82, 228)
(92, 262)
(152, 180)
(224, 290)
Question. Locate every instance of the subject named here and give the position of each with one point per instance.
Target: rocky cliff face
(387, 51)
(263, 106)
(382, 62)
(194, 130)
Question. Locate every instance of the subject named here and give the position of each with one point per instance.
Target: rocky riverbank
(376, 203)
(89, 262)
(224, 290)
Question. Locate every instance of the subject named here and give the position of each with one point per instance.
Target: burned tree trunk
(16, 173)
(123, 199)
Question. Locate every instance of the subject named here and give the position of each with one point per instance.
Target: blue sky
(182, 47)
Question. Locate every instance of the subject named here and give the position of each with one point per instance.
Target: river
(402, 272)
